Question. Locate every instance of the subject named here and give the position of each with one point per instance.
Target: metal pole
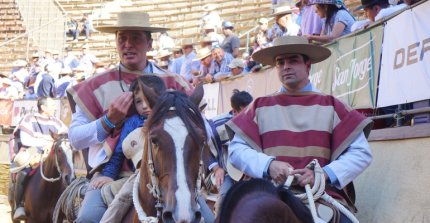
(404, 112)
(399, 116)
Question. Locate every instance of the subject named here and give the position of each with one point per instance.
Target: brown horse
(259, 200)
(171, 170)
(49, 181)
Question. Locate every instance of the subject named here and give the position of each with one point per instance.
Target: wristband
(108, 123)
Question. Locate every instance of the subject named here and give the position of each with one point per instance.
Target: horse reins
(155, 190)
(318, 191)
(56, 164)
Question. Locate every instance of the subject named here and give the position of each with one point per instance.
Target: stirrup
(19, 214)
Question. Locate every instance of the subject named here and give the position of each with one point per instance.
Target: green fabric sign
(352, 71)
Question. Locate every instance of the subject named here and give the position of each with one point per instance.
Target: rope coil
(317, 192)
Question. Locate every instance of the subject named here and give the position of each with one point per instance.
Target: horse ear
(149, 94)
(54, 135)
(197, 96)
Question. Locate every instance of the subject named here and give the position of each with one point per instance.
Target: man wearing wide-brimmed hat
(188, 66)
(375, 10)
(206, 42)
(163, 58)
(101, 103)
(284, 24)
(204, 57)
(312, 125)
(19, 71)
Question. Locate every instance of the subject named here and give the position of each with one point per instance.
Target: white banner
(211, 98)
(405, 67)
(23, 107)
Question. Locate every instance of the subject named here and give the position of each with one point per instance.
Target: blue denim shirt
(113, 167)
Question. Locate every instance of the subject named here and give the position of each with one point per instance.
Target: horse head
(174, 148)
(258, 200)
(63, 156)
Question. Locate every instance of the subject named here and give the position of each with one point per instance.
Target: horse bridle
(56, 163)
(155, 190)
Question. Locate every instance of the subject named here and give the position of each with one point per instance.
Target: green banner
(351, 73)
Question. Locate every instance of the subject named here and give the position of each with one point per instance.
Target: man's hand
(119, 107)
(219, 176)
(209, 78)
(99, 181)
(279, 171)
(306, 176)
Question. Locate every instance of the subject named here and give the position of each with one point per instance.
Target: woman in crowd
(338, 20)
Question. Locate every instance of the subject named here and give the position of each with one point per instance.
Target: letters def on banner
(410, 54)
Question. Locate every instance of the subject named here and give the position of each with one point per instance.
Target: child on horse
(30, 139)
(218, 165)
(110, 181)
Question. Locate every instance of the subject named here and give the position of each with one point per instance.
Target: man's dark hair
(41, 101)
(382, 4)
(150, 80)
(305, 58)
(240, 99)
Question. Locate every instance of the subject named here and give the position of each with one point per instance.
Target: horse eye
(154, 141)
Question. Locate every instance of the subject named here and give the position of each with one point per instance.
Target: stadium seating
(181, 16)
(11, 25)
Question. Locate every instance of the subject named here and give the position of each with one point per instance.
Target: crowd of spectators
(48, 75)
(215, 57)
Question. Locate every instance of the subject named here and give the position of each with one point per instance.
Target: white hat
(132, 146)
(21, 161)
(202, 54)
(163, 53)
(284, 9)
(138, 21)
(187, 42)
(292, 45)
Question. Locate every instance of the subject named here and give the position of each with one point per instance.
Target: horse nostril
(167, 216)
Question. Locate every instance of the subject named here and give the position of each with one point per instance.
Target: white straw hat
(292, 45)
(131, 21)
(21, 161)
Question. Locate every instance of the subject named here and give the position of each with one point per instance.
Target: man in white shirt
(278, 135)
(101, 103)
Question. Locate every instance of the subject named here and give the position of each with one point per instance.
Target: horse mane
(243, 188)
(184, 108)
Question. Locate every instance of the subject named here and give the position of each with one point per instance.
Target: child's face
(140, 104)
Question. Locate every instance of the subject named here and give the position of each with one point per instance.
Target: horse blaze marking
(177, 130)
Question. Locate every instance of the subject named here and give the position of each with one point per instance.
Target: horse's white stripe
(65, 146)
(177, 130)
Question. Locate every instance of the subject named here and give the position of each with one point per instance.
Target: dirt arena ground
(4, 210)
